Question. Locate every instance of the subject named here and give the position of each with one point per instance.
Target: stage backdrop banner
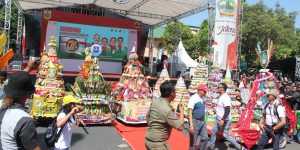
(226, 33)
(74, 38)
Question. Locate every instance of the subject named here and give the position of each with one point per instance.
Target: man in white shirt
(272, 122)
(198, 127)
(223, 119)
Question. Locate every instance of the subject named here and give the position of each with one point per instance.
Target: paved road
(106, 138)
(99, 138)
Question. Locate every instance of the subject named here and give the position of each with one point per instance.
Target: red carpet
(135, 137)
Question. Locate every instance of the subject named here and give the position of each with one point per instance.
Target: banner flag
(226, 33)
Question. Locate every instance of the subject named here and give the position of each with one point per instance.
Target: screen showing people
(111, 42)
(110, 46)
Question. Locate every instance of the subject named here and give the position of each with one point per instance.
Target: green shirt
(161, 118)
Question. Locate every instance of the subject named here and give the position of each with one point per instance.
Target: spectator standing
(18, 129)
(292, 97)
(124, 62)
(198, 127)
(295, 97)
(161, 118)
(65, 120)
(187, 78)
(223, 119)
(239, 98)
(272, 123)
(282, 87)
(288, 95)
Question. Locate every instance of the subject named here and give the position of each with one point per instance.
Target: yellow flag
(3, 40)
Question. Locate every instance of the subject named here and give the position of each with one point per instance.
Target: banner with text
(106, 43)
(226, 34)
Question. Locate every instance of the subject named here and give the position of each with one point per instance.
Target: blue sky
(289, 5)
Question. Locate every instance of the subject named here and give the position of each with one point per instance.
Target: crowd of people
(161, 118)
(291, 92)
(271, 124)
(18, 129)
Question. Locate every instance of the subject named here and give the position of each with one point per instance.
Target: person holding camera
(161, 118)
(65, 120)
(272, 122)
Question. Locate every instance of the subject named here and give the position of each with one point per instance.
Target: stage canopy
(151, 12)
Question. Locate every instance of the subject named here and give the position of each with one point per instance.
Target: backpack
(52, 134)
(287, 120)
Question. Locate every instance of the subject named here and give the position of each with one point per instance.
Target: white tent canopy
(151, 12)
(184, 60)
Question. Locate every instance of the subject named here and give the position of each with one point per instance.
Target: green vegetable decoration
(93, 90)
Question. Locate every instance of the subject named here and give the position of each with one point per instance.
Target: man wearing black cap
(17, 128)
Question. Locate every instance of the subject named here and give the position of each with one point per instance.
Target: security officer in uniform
(161, 118)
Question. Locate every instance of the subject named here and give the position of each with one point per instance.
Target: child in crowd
(65, 120)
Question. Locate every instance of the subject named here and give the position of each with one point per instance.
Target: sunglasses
(220, 87)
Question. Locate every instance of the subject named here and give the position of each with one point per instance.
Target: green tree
(297, 51)
(13, 23)
(260, 24)
(175, 32)
(198, 45)
(195, 45)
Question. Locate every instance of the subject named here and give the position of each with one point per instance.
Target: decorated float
(93, 91)
(214, 78)
(182, 96)
(164, 76)
(199, 76)
(132, 95)
(49, 86)
(236, 107)
(247, 129)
